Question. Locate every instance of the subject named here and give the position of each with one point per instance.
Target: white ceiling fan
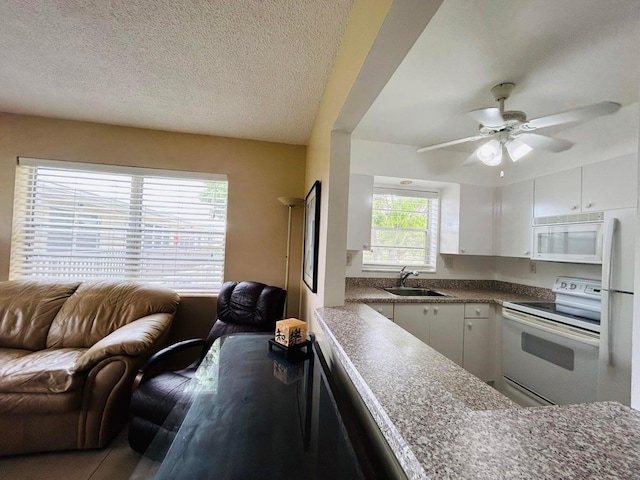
(510, 133)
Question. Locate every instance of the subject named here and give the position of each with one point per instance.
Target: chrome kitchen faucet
(404, 275)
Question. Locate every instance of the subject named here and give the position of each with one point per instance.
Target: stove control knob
(563, 285)
(573, 286)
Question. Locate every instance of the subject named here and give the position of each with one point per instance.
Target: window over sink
(404, 230)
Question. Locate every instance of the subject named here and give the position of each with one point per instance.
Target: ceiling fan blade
(581, 114)
(489, 117)
(448, 144)
(535, 140)
(472, 159)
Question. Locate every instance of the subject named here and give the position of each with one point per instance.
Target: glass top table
(251, 413)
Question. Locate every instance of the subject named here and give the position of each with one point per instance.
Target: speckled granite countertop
(444, 423)
(454, 295)
(369, 290)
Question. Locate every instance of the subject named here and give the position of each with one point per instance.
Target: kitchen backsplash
(539, 292)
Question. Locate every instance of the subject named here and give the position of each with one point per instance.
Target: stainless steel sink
(414, 292)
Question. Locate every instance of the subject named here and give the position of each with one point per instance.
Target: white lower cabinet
(446, 333)
(436, 324)
(478, 341)
(414, 318)
(478, 357)
(461, 332)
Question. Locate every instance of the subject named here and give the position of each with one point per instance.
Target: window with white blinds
(404, 230)
(87, 222)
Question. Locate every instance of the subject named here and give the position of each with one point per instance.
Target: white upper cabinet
(610, 185)
(359, 216)
(558, 193)
(516, 212)
(467, 220)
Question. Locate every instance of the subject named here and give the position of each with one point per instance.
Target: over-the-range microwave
(568, 238)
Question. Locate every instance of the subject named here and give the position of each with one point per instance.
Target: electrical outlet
(448, 262)
(532, 267)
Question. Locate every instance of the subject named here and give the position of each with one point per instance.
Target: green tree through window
(403, 230)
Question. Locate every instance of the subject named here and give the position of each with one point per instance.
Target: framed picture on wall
(311, 237)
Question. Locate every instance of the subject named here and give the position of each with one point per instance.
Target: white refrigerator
(618, 252)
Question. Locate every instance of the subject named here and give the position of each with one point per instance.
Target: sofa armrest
(132, 339)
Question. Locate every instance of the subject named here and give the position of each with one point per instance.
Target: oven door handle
(530, 321)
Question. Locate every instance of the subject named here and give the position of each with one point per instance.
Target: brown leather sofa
(68, 355)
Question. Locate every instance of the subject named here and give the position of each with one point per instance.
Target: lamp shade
(517, 149)
(490, 153)
(290, 201)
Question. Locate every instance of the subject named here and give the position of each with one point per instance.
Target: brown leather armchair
(242, 307)
(68, 355)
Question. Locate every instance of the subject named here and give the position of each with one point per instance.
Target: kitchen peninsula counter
(442, 422)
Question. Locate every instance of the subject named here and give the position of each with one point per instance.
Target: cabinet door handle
(435, 309)
(426, 310)
(469, 325)
(462, 250)
(588, 205)
(527, 252)
(574, 207)
(477, 311)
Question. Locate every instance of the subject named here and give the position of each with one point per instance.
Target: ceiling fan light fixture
(508, 133)
(517, 149)
(490, 153)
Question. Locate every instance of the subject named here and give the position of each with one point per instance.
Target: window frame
(183, 215)
(431, 233)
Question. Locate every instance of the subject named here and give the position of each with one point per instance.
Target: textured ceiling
(239, 68)
(561, 54)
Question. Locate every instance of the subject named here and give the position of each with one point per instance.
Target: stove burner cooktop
(551, 311)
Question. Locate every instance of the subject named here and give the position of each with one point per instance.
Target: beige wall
(258, 172)
(378, 36)
(364, 23)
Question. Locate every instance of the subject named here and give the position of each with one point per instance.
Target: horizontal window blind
(403, 229)
(74, 221)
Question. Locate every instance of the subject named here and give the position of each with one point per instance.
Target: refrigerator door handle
(607, 320)
(610, 228)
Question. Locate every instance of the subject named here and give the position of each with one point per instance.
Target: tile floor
(115, 462)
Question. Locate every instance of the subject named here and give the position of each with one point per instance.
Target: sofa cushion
(97, 309)
(45, 371)
(27, 309)
(7, 354)
(40, 403)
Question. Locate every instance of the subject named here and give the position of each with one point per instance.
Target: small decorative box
(290, 332)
